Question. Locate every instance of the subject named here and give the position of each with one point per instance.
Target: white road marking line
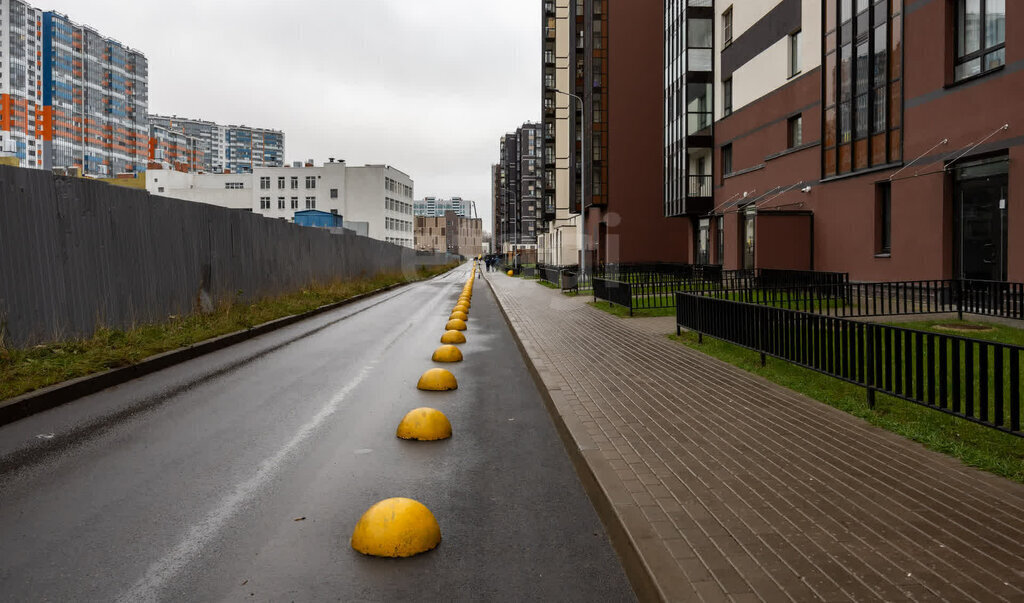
(199, 535)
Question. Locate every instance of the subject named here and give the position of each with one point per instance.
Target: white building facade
(378, 195)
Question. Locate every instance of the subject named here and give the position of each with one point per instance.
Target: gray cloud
(427, 86)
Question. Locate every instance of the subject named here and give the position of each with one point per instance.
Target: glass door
(981, 196)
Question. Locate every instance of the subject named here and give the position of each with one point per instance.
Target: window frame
(726, 152)
(883, 217)
(727, 27)
(792, 141)
(983, 52)
(794, 65)
(727, 97)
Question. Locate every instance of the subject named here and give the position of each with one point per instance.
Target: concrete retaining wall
(78, 254)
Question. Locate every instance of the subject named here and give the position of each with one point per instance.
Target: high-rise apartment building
(603, 80)
(234, 149)
(96, 96)
(21, 74)
(519, 189)
(557, 238)
(875, 137)
(434, 207)
(175, 150)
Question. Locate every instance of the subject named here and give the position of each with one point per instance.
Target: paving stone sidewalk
(731, 488)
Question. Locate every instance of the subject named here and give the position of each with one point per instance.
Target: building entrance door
(748, 240)
(981, 194)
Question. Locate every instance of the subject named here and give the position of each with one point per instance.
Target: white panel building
(378, 195)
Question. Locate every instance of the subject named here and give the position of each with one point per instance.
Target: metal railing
(976, 380)
(1000, 299)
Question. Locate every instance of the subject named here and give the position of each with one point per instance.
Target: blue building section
(318, 219)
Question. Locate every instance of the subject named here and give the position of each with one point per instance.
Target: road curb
(639, 573)
(52, 396)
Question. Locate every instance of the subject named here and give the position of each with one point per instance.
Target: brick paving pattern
(731, 488)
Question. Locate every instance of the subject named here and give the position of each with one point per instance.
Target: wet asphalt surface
(186, 485)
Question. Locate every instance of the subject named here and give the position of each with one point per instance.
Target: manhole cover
(965, 328)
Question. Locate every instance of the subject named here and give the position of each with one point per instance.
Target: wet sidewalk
(731, 488)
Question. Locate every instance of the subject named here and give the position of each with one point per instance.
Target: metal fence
(976, 380)
(1000, 299)
(77, 254)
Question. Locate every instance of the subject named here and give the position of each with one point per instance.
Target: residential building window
(883, 216)
(980, 37)
(727, 159)
(334, 193)
(295, 182)
(794, 53)
(310, 202)
(264, 182)
(295, 203)
(727, 97)
(280, 203)
(310, 181)
(862, 70)
(264, 202)
(795, 130)
(280, 182)
(727, 27)
(720, 240)
(234, 185)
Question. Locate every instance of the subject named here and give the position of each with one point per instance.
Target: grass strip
(548, 285)
(622, 311)
(25, 370)
(974, 445)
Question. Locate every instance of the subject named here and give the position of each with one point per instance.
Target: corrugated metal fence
(77, 254)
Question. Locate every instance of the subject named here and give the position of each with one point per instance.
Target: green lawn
(617, 310)
(24, 370)
(548, 285)
(974, 444)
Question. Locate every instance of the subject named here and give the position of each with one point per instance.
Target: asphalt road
(186, 485)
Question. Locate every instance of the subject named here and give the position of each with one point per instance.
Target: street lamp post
(583, 196)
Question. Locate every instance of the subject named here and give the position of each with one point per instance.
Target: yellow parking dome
(424, 424)
(455, 325)
(453, 337)
(396, 527)
(447, 353)
(460, 314)
(437, 380)
(510, 273)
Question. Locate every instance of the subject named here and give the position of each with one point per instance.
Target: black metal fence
(1005, 300)
(976, 380)
(645, 295)
(565, 278)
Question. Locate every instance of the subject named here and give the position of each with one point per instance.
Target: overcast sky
(428, 86)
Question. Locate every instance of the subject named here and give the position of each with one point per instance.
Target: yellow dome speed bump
(424, 424)
(396, 527)
(510, 273)
(451, 337)
(455, 325)
(447, 353)
(460, 315)
(437, 380)
(461, 308)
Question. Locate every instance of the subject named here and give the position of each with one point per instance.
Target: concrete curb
(40, 400)
(588, 463)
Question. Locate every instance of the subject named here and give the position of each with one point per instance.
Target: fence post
(958, 288)
(869, 345)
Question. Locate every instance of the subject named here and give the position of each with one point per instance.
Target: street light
(583, 196)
